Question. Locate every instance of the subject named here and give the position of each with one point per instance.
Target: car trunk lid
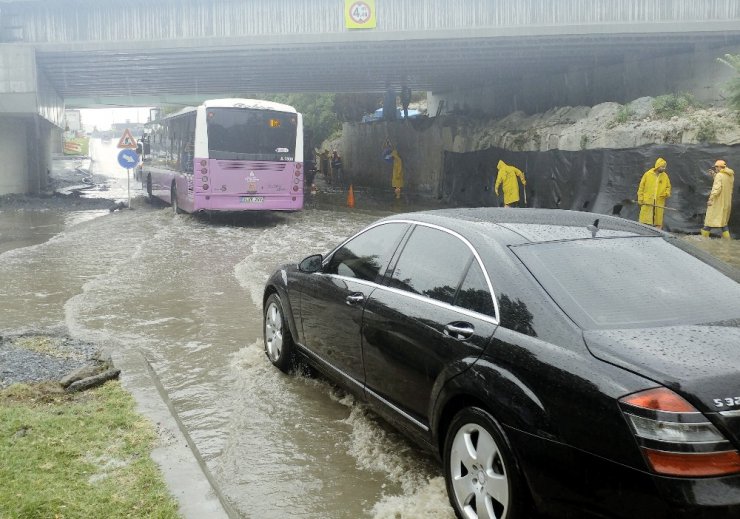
(700, 362)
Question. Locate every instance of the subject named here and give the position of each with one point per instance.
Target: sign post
(128, 158)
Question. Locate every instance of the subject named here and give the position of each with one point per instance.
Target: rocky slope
(607, 125)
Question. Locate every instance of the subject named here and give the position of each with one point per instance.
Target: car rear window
(432, 264)
(631, 282)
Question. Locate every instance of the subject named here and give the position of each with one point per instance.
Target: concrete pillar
(29, 108)
(57, 140)
(14, 153)
(39, 155)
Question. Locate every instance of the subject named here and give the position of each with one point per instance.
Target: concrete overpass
(524, 54)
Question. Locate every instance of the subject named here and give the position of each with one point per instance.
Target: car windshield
(631, 282)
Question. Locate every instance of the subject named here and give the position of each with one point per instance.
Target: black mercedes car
(577, 364)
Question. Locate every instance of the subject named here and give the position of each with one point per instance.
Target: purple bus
(226, 155)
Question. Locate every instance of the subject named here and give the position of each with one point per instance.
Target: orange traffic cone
(351, 197)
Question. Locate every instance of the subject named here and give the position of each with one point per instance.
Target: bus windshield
(247, 134)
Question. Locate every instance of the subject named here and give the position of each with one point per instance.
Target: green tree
(733, 61)
(319, 118)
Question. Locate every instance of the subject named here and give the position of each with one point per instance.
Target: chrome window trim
(418, 297)
(493, 320)
(442, 304)
(731, 414)
(480, 264)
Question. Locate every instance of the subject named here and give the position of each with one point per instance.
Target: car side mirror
(311, 264)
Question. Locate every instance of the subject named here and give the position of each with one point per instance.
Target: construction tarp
(600, 181)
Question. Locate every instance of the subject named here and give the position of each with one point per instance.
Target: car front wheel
(278, 341)
(482, 478)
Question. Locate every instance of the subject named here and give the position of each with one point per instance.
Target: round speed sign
(360, 12)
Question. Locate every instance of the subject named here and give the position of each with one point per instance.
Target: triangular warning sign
(127, 141)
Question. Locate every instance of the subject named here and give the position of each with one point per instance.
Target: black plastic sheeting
(600, 181)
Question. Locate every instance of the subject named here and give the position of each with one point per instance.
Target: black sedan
(553, 361)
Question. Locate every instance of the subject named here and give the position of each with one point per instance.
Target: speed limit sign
(360, 14)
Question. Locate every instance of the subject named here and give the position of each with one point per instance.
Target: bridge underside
(142, 73)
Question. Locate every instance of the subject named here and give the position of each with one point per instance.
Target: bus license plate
(252, 199)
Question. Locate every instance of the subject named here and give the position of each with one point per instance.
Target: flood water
(186, 292)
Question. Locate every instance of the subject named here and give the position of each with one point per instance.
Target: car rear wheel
(278, 341)
(483, 481)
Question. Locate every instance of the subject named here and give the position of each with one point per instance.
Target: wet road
(187, 293)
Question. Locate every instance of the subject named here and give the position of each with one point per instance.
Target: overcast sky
(102, 118)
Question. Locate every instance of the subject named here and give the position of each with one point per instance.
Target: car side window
(363, 256)
(474, 294)
(432, 264)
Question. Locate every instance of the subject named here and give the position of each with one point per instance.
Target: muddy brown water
(186, 292)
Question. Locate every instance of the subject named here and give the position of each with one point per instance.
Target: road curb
(185, 472)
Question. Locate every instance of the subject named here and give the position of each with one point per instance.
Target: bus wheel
(175, 206)
(149, 187)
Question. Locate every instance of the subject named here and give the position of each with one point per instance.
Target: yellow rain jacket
(507, 177)
(718, 214)
(397, 179)
(654, 189)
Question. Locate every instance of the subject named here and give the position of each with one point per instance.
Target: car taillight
(676, 439)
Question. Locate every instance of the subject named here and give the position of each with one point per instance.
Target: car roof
(528, 225)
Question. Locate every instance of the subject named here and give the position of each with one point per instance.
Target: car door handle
(355, 299)
(459, 330)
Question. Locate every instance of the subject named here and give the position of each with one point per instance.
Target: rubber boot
(705, 233)
(726, 235)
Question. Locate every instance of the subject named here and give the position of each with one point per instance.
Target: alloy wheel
(274, 332)
(479, 476)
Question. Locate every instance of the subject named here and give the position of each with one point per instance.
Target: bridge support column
(13, 150)
(25, 152)
(28, 104)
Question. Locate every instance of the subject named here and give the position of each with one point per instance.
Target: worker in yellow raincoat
(655, 188)
(507, 177)
(397, 178)
(720, 200)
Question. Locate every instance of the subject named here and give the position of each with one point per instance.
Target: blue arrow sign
(128, 159)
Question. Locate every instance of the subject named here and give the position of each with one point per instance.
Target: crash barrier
(601, 181)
